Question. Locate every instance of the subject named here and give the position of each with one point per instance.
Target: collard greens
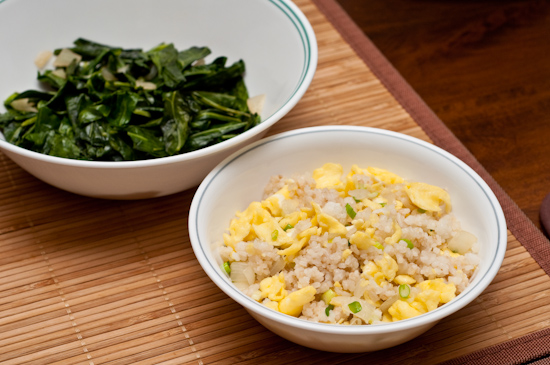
(118, 104)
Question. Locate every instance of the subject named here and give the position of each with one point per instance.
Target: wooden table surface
(484, 68)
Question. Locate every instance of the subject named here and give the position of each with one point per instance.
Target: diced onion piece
(59, 72)
(388, 303)
(241, 272)
(462, 242)
(42, 59)
(289, 206)
(107, 75)
(367, 313)
(200, 62)
(66, 57)
(240, 285)
(277, 266)
(23, 105)
(146, 85)
(359, 193)
(360, 288)
(256, 104)
(123, 69)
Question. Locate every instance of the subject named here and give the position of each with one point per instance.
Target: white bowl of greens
(142, 99)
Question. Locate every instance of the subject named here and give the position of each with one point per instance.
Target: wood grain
(483, 68)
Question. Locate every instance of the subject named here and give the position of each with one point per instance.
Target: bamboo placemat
(89, 281)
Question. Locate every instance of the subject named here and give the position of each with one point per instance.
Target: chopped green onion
(409, 243)
(349, 243)
(383, 204)
(355, 307)
(356, 200)
(328, 295)
(420, 210)
(226, 267)
(350, 211)
(373, 195)
(288, 226)
(378, 245)
(328, 309)
(404, 290)
(274, 235)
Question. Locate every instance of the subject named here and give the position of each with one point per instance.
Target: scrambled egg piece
(428, 197)
(271, 304)
(271, 232)
(273, 203)
(446, 290)
(402, 310)
(328, 223)
(396, 236)
(404, 279)
(240, 228)
(371, 204)
(273, 288)
(350, 182)
(433, 293)
(256, 222)
(385, 176)
(363, 240)
(382, 270)
(295, 301)
(447, 252)
(329, 176)
(292, 219)
(388, 266)
(398, 204)
(346, 253)
(294, 248)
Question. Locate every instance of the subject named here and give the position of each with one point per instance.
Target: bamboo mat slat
(88, 281)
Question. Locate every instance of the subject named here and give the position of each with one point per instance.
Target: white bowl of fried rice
(347, 239)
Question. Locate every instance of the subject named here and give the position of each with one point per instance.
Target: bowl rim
(249, 304)
(309, 43)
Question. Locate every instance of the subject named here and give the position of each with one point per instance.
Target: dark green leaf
(210, 136)
(147, 141)
(124, 105)
(166, 60)
(191, 55)
(222, 79)
(175, 127)
(48, 77)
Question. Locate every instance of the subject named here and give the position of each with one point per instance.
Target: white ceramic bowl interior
(273, 37)
(240, 179)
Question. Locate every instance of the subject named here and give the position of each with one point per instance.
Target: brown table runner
(93, 281)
